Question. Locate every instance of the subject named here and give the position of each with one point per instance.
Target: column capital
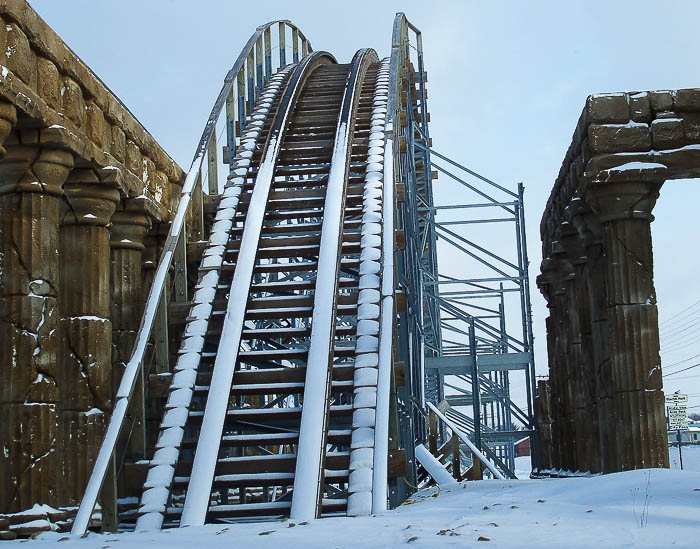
(573, 244)
(34, 169)
(130, 223)
(613, 201)
(89, 202)
(8, 119)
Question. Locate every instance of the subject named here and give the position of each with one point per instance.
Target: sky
(507, 81)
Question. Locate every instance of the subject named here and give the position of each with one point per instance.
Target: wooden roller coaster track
(278, 400)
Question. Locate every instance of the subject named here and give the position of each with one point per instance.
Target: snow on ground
(691, 458)
(523, 467)
(646, 508)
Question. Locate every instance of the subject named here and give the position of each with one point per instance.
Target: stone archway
(603, 403)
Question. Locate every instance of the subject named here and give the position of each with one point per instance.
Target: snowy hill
(646, 508)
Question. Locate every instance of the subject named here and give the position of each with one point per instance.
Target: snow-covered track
(273, 372)
(281, 399)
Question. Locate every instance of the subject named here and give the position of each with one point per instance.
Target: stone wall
(81, 184)
(604, 398)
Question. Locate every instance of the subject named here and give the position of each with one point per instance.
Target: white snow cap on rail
(431, 464)
(465, 438)
(160, 475)
(368, 326)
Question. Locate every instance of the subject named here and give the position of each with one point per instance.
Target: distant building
(691, 436)
(522, 447)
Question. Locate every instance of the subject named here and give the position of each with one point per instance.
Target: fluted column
(129, 227)
(544, 423)
(585, 422)
(567, 365)
(626, 263)
(551, 282)
(31, 180)
(85, 327)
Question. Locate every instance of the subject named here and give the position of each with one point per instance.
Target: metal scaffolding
(468, 370)
(464, 332)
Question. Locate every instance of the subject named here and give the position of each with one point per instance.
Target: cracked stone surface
(30, 186)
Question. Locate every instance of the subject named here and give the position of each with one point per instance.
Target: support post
(476, 401)
(283, 44)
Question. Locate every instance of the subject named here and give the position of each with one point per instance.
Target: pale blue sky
(507, 82)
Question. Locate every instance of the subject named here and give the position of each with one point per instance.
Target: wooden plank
(137, 411)
(268, 54)
(432, 433)
(108, 498)
(240, 84)
(400, 374)
(197, 211)
(250, 66)
(456, 465)
(295, 44)
(180, 265)
(397, 466)
(259, 76)
(230, 129)
(283, 44)
(212, 164)
(160, 336)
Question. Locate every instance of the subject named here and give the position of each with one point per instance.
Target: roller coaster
(309, 360)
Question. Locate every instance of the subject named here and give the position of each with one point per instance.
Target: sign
(676, 398)
(677, 417)
(443, 406)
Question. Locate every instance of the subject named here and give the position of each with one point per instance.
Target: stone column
(624, 211)
(579, 350)
(552, 285)
(153, 242)
(129, 226)
(31, 180)
(597, 345)
(563, 275)
(85, 327)
(544, 422)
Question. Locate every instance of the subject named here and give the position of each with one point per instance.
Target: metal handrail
(133, 367)
(465, 439)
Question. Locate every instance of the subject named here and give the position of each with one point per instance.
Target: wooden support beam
(456, 465)
(400, 238)
(259, 76)
(432, 433)
(160, 336)
(108, 499)
(268, 54)
(283, 44)
(250, 69)
(295, 45)
(400, 374)
(397, 466)
(212, 164)
(400, 192)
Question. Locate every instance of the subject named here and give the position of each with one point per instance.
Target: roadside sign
(678, 425)
(676, 398)
(677, 417)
